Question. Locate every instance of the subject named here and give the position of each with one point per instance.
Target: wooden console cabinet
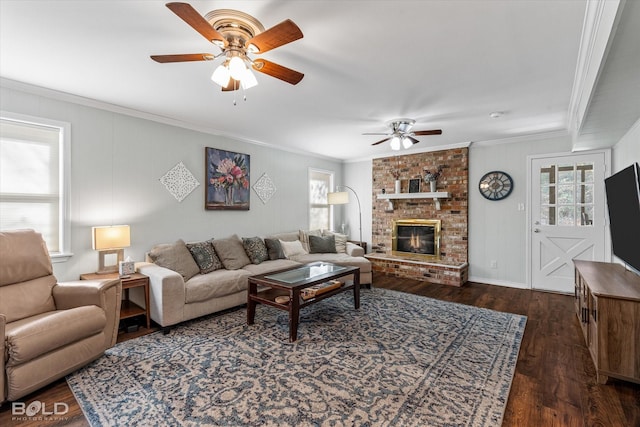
(607, 301)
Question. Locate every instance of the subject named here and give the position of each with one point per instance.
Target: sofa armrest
(106, 294)
(166, 293)
(3, 322)
(354, 250)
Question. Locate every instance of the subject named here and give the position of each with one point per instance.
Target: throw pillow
(303, 235)
(231, 252)
(322, 245)
(176, 257)
(256, 249)
(292, 249)
(274, 248)
(341, 241)
(205, 256)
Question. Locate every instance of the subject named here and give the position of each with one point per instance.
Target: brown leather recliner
(48, 329)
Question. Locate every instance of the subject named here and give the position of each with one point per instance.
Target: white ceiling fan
(401, 134)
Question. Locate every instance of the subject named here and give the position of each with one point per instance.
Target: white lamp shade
(406, 142)
(111, 237)
(338, 198)
(237, 68)
(221, 76)
(248, 79)
(395, 143)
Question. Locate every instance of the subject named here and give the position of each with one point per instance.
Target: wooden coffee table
(291, 282)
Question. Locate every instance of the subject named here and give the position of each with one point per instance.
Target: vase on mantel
(432, 185)
(397, 186)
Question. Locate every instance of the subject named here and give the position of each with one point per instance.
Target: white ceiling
(446, 64)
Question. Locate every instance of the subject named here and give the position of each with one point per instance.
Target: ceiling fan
(238, 35)
(401, 133)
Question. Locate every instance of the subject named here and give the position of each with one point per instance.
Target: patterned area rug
(401, 360)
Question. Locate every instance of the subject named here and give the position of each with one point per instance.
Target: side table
(128, 308)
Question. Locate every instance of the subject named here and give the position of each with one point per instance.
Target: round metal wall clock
(495, 185)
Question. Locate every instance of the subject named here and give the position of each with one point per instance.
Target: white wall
(497, 229)
(117, 161)
(627, 150)
(357, 175)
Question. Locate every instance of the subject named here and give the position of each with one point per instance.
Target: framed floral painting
(227, 180)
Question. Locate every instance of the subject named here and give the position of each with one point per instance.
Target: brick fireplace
(451, 267)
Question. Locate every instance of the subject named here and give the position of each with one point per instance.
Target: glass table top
(305, 273)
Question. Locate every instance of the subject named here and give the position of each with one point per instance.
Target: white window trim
(64, 228)
(332, 175)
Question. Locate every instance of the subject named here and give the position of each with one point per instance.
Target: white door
(567, 217)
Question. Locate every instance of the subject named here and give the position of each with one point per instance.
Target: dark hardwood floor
(554, 383)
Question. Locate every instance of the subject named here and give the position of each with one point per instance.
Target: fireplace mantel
(436, 196)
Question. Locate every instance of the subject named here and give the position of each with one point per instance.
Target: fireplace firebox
(416, 238)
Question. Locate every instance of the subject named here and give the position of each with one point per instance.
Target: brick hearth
(452, 267)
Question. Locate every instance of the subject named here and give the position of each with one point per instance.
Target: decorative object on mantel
(264, 188)
(179, 181)
(227, 177)
(432, 177)
(396, 176)
(414, 185)
(495, 185)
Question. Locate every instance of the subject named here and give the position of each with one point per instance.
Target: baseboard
(495, 282)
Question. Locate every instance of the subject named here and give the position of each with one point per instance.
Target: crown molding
(101, 105)
(598, 29)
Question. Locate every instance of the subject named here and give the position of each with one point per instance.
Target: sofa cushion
(274, 248)
(205, 256)
(319, 245)
(341, 240)
(303, 236)
(176, 257)
(292, 249)
(270, 266)
(255, 249)
(216, 284)
(32, 337)
(231, 252)
(340, 259)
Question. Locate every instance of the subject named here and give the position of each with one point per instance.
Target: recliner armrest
(83, 292)
(106, 294)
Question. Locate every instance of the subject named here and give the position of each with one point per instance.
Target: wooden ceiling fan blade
(381, 141)
(191, 16)
(163, 59)
(427, 132)
(278, 71)
(281, 34)
(376, 133)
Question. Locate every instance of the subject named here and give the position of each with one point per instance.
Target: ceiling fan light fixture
(237, 67)
(406, 142)
(221, 75)
(395, 143)
(252, 48)
(248, 79)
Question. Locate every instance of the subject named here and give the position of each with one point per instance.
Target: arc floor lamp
(342, 198)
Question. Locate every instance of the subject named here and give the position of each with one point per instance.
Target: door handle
(536, 230)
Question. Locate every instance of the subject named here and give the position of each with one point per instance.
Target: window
(33, 178)
(566, 197)
(320, 212)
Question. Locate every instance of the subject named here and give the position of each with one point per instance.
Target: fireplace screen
(417, 237)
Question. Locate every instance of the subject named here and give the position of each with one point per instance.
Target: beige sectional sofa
(189, 280)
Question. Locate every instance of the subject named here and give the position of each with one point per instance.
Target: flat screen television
(623, 200)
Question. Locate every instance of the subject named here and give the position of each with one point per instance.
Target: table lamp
(110, 240)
